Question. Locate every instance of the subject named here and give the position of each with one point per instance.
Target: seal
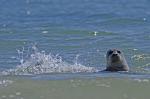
(116, 61)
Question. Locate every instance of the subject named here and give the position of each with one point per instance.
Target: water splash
(38, 62)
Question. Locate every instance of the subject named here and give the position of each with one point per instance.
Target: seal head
(116, 61)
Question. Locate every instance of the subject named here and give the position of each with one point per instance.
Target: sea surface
(56, 49)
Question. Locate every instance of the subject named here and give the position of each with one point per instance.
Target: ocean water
(58, 47)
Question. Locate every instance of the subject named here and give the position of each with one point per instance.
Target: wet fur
(116, 61)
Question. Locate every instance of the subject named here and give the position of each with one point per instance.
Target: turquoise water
(61, 40)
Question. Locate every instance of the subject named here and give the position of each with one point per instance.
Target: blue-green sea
(56, 49)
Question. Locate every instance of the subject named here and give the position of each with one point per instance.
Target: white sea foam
(140, 57)
(5, 82)
(38, 62)
(141, 80)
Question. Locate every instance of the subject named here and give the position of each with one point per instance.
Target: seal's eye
(110, 52)
(119, 52)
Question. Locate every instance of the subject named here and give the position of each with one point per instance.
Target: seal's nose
(114, 54)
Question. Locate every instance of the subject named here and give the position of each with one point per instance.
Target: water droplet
(144, 19)
(95, 33)
(135, 49)
(18, 93)
(44, 32)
